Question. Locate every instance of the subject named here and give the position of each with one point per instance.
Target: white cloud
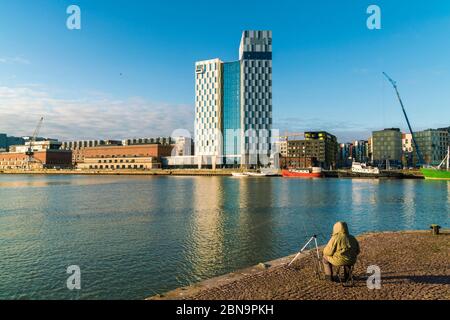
(344, 130)
(91, 117)
(14, 60)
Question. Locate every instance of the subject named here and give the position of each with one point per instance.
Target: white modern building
(255, 54)
(183, 146)
(208, 107)
(233, 105)
(281, 147)
(50, 144)
(407, 144)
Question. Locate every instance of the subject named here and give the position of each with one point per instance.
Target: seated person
(341, 250)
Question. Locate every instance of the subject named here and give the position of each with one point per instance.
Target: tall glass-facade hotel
(233, 104)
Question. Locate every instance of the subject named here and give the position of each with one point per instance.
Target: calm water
(137, 236)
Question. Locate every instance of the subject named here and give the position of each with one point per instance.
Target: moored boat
(314, 172)
(239, 174)
(362, 168)
(437, 173)
(270, 172)
(255, 174)
(263, 172)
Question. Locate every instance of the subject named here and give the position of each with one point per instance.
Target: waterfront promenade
(414, 265)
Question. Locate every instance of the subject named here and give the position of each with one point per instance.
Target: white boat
(264, 172)
(256, 174)
(239, 174)
(270, 172)
(358, 167)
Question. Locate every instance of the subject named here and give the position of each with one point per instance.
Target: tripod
(318, 265)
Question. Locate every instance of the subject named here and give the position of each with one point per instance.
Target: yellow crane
(30, 151)
(288, 135)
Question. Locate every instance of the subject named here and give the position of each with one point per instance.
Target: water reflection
(448, 195)
(206, 250)
(409, 204)
(22, 234)
(358, 190)
(373, 195)
(136, 236)
(255, 229)
(33, 181)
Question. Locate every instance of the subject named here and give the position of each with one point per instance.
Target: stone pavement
(414, 265)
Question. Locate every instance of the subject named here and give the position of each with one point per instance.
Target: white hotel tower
(208, 106)
(233, 105)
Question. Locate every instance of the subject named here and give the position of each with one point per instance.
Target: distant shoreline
(345, 174)
(160, 172)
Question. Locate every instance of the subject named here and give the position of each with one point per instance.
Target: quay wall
(398, 174)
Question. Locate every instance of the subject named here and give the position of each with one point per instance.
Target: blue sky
(129, 71)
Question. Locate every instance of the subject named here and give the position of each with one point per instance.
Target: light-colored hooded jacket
(343, 248)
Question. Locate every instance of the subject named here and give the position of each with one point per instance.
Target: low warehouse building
(120, 163)
(123, 157)
(45, 159)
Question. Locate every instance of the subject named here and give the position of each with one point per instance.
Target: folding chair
(350, 281)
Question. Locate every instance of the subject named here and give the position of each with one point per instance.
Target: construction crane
(287, 135)
(416, 146)
(30, 152)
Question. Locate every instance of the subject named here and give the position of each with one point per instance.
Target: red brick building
(113, 151)
(46, 159)
(113, 157)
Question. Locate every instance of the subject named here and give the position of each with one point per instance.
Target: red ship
(315, 172)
